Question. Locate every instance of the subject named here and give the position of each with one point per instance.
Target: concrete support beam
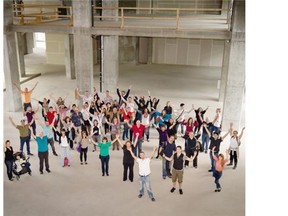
(29, 42)
(83, 53)
(234, 93)
(69, 56)
(111, 63)
(224, 72)
(11, 72)
(20, 53)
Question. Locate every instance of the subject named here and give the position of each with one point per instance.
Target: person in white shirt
(180, 116)
(235, 142)
(144, 173)
(217, 121)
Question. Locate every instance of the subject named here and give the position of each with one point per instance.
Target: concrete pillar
(69, 56)
(10, 61)
(224, 72)
(110, 71)
(234, 93)
(20, 53)
(83, 53)
(29, 42)
(110, 60)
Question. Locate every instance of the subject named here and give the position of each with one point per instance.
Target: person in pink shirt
(220, 162)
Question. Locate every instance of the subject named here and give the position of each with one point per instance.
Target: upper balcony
(128, 21)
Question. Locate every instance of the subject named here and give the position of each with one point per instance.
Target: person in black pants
(128, 160)
(191, 148)
(9, 159)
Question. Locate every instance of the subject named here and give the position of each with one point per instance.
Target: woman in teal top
(104, 154)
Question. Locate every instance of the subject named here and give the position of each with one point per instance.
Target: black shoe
(11, 179)
(205, 151)
(219, 189)
(169, 176)
(140, 195)
(102, 174)
(195, 167)
(86, 163)
(210, 170)
(41, 172)
(107, 174)
(30, 154)
(54, 153)
(124, 179)
(181, 191)
(164, 177)
(131, 180)
(94, 150)
(30, 173)
(216, 190)
(153, 199)
(157, 157)
(48, 170)
(234, 167)
(230, 164)
(81, 163)
(172, 190)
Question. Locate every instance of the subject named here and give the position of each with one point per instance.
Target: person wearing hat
(215, 142)
(24, 133)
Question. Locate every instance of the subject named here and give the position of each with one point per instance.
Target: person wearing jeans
(215, 142)
(24, 133)
(104, 154)
(9, 159)
(169, 148)
(219, 165)
(144, 173)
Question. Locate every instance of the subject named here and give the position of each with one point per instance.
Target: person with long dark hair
(128, 160)
(8, 150)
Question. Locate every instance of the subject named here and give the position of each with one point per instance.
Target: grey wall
(128, 50)
(188, 52)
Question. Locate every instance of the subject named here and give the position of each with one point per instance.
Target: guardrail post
(122, 17)
(177, 20)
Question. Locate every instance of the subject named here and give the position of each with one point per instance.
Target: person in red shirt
(126, 113)
(137, 128)
(50, 116)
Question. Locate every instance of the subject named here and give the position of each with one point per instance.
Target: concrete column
(110, 70)
(69, 56)
(20, 53)
(234, 93)
(224, 72)
(83, 53)
(111, 63)
(29, 42)
(11, 72)
(10, 61)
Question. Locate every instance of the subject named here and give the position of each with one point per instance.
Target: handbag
(79, 147)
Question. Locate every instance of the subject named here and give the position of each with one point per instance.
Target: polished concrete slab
(81, 190)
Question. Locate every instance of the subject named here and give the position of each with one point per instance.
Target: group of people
(100, 122)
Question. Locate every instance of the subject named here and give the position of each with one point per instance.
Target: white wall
(188, 52)
(55, 49)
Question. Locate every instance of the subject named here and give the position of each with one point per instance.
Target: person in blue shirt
(42, 142)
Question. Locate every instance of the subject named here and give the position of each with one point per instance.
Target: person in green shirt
(104, 153)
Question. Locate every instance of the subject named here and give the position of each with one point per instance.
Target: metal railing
(179, 17)
(33, 14)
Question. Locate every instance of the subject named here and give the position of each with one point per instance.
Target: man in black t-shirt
(215, 141)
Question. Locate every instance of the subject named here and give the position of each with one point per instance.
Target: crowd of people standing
(102, 122)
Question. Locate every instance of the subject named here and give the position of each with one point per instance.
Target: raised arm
(241, 134)
(34, 86)
(231, 129)
(225, 135)
(205, 128)
(132, 154)
(17, 87)
(153, 152)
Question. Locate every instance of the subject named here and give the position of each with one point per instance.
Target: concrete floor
(81, 190)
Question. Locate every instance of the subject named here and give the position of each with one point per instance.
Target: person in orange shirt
(220, 162)
(26, 95)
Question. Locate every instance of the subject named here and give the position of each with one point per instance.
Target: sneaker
(181, 191)
(41, 172)
(230, 164)
(172, 190)
(30, 173)
(234, 167)
(153, 199)
(164, 177)
(216, 190)
(219, 189)
(149, 141)
(55, 154)
(140, 195)
(30, 154)
(48, 170)
(86, 163)
(210, 170)
(205, 151)
(195, 167)
(81, 163)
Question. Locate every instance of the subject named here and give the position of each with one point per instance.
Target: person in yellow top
(26, 95)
